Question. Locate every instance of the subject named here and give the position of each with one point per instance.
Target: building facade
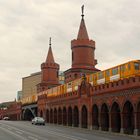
(29, 84)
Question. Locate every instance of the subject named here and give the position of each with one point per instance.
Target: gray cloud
(25, 28)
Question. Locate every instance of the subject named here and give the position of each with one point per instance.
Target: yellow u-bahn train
(126, 70)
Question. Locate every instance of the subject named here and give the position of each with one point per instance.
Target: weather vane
(82, 11)
(50, 42)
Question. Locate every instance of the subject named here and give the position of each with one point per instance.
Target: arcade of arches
(115, 118)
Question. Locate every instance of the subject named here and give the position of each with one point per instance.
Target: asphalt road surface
(20, 130)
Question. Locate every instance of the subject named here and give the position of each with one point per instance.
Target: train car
(76, 83)
(50, 92)
(69, 87)
(126, 70)
(55, 91)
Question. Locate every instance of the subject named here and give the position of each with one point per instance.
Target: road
(21, 130)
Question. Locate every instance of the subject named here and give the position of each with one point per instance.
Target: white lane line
(19, 132)
(65, 136)
(9, 128)
(29, 133)
(52, 134)
(12, 133)
(33, 138)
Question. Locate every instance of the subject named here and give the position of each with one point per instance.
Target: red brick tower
(83, 59)
(49, 72)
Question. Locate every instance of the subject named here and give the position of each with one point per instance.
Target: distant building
(5, 105)
(29, 84)
(61, 77)
(19, 95)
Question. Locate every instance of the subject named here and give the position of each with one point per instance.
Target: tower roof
(82, 34)
(50, 58)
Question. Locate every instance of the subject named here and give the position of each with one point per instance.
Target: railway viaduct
(111, 107)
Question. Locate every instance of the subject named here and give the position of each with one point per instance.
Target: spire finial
(50, 42)
(82, 8)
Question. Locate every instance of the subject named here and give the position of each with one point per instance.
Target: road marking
(65, 136)
(33, 138)
(29, 133)
(9, 128)
(53, 133)
(12, 133)
(19, 132)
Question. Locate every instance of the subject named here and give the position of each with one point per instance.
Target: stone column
(135, 124)
(99, 113)
(110, 125)
(90, 119)
(122, 129)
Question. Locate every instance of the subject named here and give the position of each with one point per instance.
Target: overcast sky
(26, 25)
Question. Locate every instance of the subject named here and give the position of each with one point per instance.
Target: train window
(137, 66)
(90, 78)
(122, 68)
(107, 73)
(100, 75)
(115, 71)
(129, 66)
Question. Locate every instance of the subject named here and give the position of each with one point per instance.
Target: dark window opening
(72, 56)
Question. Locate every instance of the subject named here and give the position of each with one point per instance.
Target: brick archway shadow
(59, 116)
(104, 118)
(47, 116)
(115, 118)
(51, 116)
(69, 116)
(55, 116)
(138, 118)
(64, 116)
(75, 116)
(128, 118)
(84, 117)
(95, 121)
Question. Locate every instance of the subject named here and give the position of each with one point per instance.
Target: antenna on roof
(50, 42)
(82, 8)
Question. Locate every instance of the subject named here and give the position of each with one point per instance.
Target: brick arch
(138, 117)
(128, 118)
(116, 101)
(69, 116)
(128, 100)
(28, 114)
(64, 116)
(55, 116)
(51, 115)
(41, 113)
(104, 117)
(59, 115)
(84, 117)
(76, 116)
(47, 116)
(115, 117)
(95, 115)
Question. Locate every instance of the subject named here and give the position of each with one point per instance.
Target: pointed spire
(50, 58)
(82, 34)
(82, 8)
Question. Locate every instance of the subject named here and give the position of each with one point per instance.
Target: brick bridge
(110, 107)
